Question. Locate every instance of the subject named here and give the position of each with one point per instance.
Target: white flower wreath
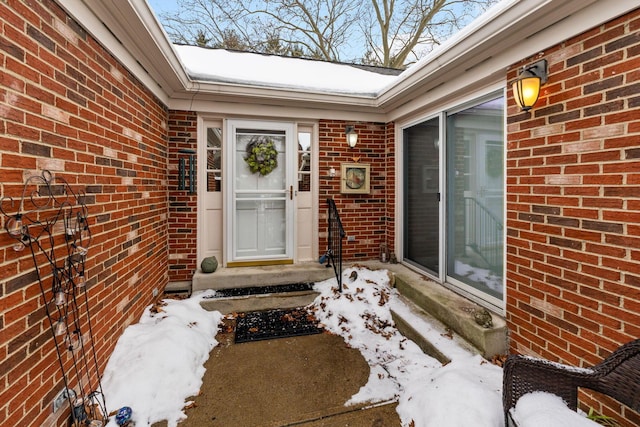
(262, 156)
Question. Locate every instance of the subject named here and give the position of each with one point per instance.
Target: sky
(171, 7)
(349, 52)
(159, 6)
(158, 362)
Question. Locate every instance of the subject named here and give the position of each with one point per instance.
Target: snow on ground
(158, 363)
(546, 409)
(465, 392)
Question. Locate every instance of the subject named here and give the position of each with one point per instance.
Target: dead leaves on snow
(190, 405)
(447, 334)
(377, 325)
(499, 359)
(384, 298)
(157, 307)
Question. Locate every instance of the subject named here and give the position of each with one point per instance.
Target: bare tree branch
(391, 33)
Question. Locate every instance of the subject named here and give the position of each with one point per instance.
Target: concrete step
(449, 308)
(239, 277)
(432, 336)
(408, 329)
(260, 302)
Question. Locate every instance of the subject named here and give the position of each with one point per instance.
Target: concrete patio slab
(300, 381)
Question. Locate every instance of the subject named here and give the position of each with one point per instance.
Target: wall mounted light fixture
(184, 174)
(352, 136)
(526, 88)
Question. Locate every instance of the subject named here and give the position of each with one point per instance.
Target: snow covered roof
(272, 71)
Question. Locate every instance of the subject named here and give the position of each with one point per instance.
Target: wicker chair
(617, 376)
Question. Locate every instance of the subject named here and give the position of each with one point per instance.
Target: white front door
(260, 191)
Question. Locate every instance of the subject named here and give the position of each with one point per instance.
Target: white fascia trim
(584, 19)
(135, 28)
(488, 27)
(301, 111)
(94, 26)
(204, 89)
(213, 98)
(161, 39)
(512, 31)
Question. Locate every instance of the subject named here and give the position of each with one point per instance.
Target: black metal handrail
(484, 233)
(334, 241)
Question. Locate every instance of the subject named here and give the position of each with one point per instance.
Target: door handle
(291, 192)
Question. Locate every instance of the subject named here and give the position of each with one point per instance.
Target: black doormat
(263, 290)
(279, 323)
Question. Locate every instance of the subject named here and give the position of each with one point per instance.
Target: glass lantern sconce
(352, 136)
(526, 88)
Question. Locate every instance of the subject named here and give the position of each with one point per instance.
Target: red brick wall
(367, 217)
(183, 135)
(68, 106)
(390, 185)
(573, 202)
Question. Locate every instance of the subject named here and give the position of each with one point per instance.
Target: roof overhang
(130, 31)
(477, 56)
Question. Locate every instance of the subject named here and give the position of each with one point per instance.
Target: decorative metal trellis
(51, 221)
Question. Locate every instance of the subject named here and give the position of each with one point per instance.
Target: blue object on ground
(124, 415)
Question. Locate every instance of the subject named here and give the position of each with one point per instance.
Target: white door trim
(206, 246)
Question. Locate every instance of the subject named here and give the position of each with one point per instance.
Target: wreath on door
(262, 156)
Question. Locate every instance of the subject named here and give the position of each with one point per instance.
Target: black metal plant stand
(51, 221)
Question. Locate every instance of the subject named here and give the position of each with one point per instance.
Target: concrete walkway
(306, 381)
(301, 381)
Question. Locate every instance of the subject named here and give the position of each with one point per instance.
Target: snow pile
(158, 362)
(546, 409)
(361, 315)
(467, 391)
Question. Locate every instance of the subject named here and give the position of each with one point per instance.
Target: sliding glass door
(422, 195)
(454, 229)
(475, 197)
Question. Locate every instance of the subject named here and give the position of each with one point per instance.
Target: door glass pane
(272, 178)
(475, 199)
(422, 224)
(214, 159)
(304, 161)
(260, 194)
